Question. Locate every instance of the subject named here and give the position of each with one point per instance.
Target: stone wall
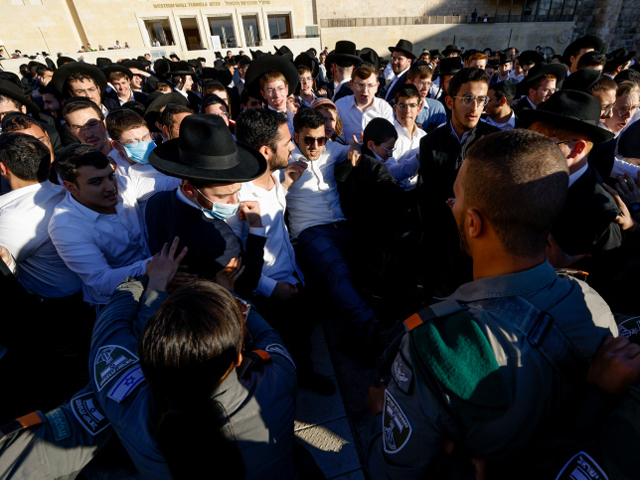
(615, 21)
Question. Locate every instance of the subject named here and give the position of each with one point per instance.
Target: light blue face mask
(139, 152)
(219, 211)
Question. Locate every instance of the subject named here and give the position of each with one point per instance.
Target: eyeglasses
(426, 83)
(626, 109)
(85, 93)
(606, 109)
(468, 100)
(388, 150)
(222, 114)
(362, 86)
(403, 106)
(309, 141)
(90, 125)
(271, 91)
(135, 141)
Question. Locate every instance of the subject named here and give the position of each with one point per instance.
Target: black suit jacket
(390, 94)
(345, 91)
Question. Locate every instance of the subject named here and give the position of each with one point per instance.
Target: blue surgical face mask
(139, 152)
(219, 211)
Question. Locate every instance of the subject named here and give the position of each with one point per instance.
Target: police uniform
(54, 445)
(259, 398)
(484, 368)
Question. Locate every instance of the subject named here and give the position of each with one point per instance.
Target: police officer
(484, 368)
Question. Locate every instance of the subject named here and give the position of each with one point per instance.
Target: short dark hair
(259, 126)
(123, 120)
(245, 97)
(603, 84)
(466, 75)
(212, 86)
(519, 180)
(628, 75)
(379, 130)
(213, 99)
(16, 103)
(14, 122)
(80, 104)
(167, 116)
(75, 156)
(501, 93)
(592, 59)
(79, 77)
(407, 90)
(307, 118)
(25, 156)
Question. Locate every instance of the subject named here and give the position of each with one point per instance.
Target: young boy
(431, 113)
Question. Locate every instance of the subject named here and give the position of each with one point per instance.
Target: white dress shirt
(354, 120)
(576, 175)
(105, 249)
(313, 200)
(509, 125)
(404, 167)
(126, 169)
(24, 220)
(279, 257)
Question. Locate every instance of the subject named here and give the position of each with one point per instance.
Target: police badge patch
(87, 411)
(582, 467)
(111, 360)
(280, 350)
(396, 429)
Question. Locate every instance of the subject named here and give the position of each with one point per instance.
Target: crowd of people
(172, 231)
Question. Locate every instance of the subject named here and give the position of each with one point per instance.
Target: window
(191, 33)
(251, 34)
(222, 27)
(159, 32)
(279, 27)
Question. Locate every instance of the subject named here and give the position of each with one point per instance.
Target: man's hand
(293, 172)
(628, 190)
(558, 258)
(354, 155)
(250, 211)
(228, 276)
(284, 291)
(5, 255)
(137, 71)
(375, 399)
(163, 266)
(625, 220)
(616, 365)
(356, 141)
(321, 92)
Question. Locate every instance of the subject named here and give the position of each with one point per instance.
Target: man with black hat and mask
(212, 167)
(341, 62)
(401, 58)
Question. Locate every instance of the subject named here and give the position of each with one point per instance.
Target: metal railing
(437, 20)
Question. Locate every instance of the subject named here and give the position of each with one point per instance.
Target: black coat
(390, 94)
(345, 90)
(212, 243)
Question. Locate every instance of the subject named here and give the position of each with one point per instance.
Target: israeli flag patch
(126, 384)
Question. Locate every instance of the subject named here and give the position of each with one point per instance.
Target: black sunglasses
(311, 140)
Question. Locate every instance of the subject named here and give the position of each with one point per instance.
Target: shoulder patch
(126, 384)
(111, 360)
(402, 374)
(59, 424)
(87, 411)
(280, 350)
(396, 429)
(582, 466)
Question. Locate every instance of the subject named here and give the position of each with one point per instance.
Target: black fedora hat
(369, 55)
(582, 80)
(570, 110)
(139, 64)
(161, 67)
(218, 73)
(305, 59)
(117, 68)
(435, 53)
(255, 54)
(450, 65)
(206, 151)
(538, 71)
(103, 62)
(50, 64)
(285, 52)
(530, 56)
(65, 71)
(344, 55)
(180, 68)
(618, 57)
(157, 100)
(505, 58)
(451, 49)
(266, 64)
(588, 41)
(11, 90)
(64, 60)
(507, 87)
(404, 46)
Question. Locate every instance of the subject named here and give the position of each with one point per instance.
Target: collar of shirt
(378, 157)
(123, 101)
(184, 94)
(608, 75)
(514, 284)
(183, 198)
(374, 107)
(576, 175)
(425, 104)
(531, 104)
(511, 121)
(92, 214)
(271, 108)
(464, 135)
(339, 86)
(395, 77)
(105, 110)
(21, 192)
(403, 130)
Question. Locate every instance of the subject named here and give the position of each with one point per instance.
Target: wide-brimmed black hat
(529, 56)
(618, 57)
(435, 53)
(139, 64)
(588, 41)
(451, 49)
(155, 102)
(180, 68)
(11, 90)
(538, 71)
(582, 80)
(507, 87)
(218, 73)
(161, 67)
(404, 46)
(117, 68)
(369, 55)
(305, 59)
(570, 110)
(266, 64)
(285, 52)
(206, 151)
(344, 55)
(103, 62)
(64, 60)
(65, 71)
(505, 58)
(450, 65)
(255, 54)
